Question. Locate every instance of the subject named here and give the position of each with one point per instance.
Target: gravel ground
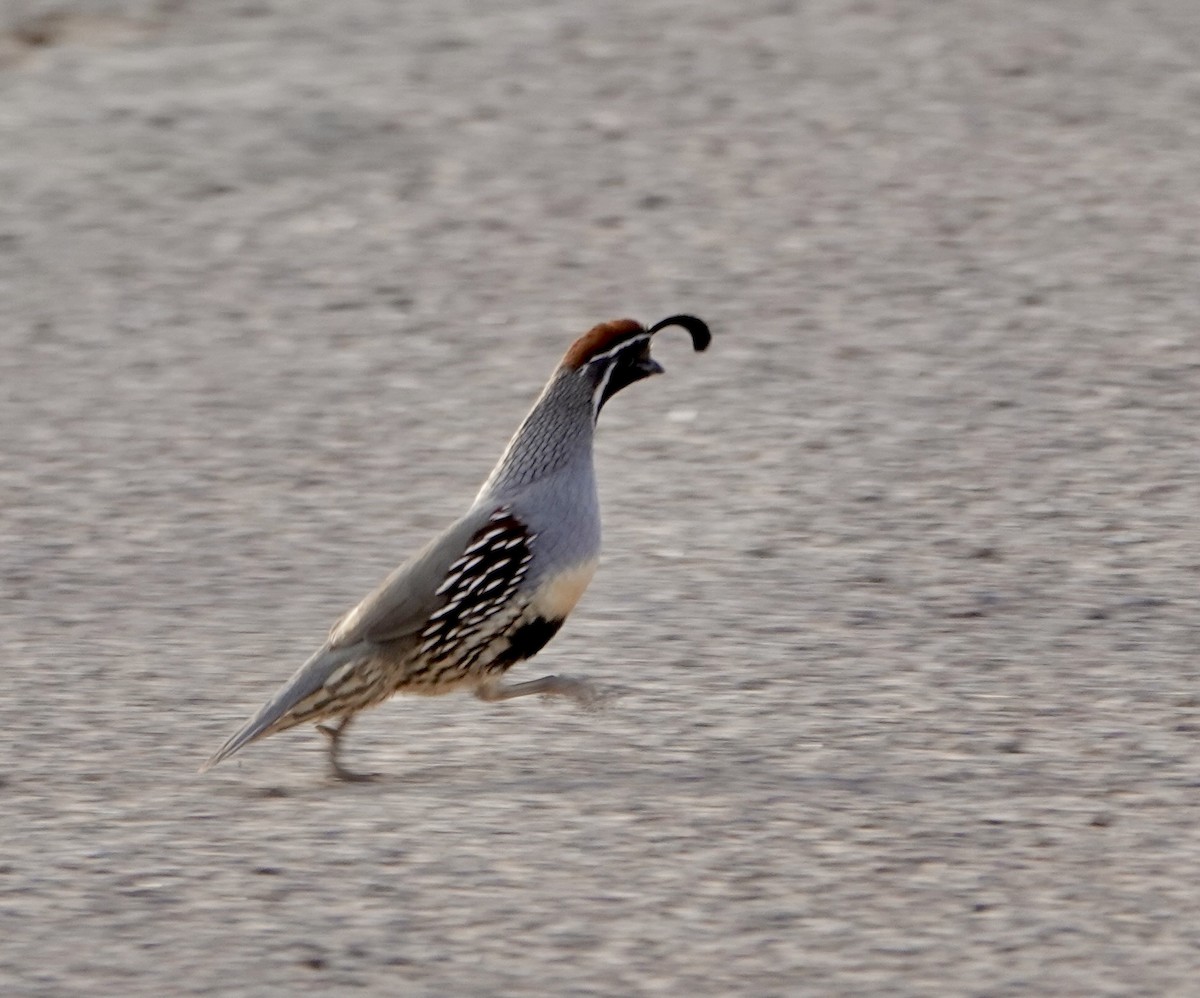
(900, 582)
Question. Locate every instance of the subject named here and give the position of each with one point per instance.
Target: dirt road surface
(900, 585)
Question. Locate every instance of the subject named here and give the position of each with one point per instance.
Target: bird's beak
(650, 366)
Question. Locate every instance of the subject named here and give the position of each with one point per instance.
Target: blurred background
(900, 578)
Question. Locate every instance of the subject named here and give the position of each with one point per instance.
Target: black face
(630, 365)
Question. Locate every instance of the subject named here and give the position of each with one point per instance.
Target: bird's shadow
(322, 786)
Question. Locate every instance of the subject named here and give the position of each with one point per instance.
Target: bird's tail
(280, 711)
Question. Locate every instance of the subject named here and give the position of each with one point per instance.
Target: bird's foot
(585, 693)
(588, 696)
(336, 769)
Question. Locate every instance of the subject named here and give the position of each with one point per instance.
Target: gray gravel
(900, 583)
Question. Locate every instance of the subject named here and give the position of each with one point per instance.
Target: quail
(497, 584)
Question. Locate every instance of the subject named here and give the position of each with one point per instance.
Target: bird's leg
(579, 690)
(334, 734)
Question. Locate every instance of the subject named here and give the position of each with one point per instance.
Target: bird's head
(615, 354)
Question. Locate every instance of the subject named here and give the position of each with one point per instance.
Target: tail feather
(309, 678)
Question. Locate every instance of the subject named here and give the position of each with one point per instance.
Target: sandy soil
(900, 583)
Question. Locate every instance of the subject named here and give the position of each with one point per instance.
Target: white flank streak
(336, 679)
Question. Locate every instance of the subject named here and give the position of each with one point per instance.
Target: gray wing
(398, 608)
(400, 605)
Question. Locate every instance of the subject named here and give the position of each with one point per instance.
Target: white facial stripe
(608, 355)
(624, 345)
(598, 394)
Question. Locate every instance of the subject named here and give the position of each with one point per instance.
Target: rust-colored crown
(600, 339)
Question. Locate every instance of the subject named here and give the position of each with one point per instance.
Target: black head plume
(701, 337)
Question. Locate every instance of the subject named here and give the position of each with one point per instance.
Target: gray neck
(556, 435)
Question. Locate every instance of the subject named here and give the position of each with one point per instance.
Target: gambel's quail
(497, 584)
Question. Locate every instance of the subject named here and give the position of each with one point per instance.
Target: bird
(497, 584)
